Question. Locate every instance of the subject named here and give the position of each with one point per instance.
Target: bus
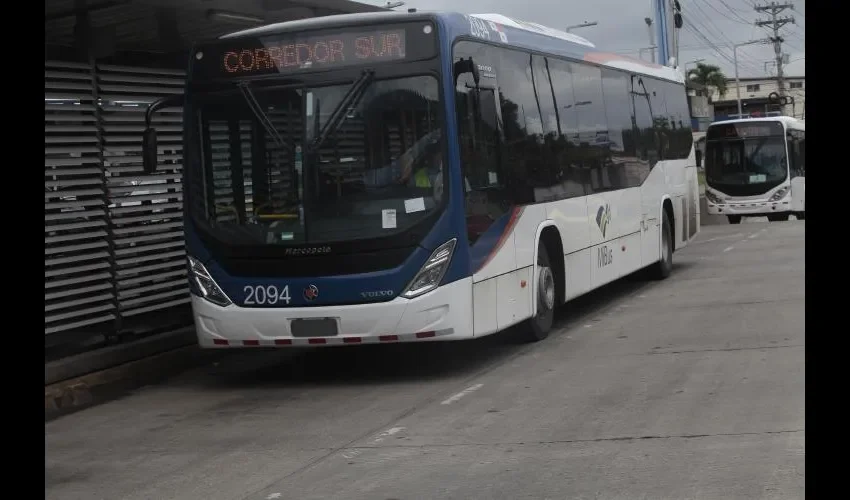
(756, 167)
(396, 177)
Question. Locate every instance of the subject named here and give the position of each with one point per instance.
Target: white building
(754, 98)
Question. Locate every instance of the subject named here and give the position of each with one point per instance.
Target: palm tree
(708, 75)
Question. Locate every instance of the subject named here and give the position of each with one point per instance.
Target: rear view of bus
(756, 168)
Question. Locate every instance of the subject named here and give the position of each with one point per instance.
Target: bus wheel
(734, 219)
(777, 217)
(538, 326)
(800, 215)
(664, 266)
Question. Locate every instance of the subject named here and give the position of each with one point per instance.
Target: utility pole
(652, 45)
(775, 23)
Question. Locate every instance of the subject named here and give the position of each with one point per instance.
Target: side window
(647, 149)
(545, 184)
(619, 111)
(663, 124)
(680, 116)
(593, 151)
(569, 174)
(523, 125)
(479, 131)
(797, 153)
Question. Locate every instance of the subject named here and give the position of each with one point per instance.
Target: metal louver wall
(78, 285)
(113, 236)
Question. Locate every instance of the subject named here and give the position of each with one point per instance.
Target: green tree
(710, 76)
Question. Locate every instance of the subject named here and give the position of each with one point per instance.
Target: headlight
(779, 194)
(202, 284)
(432, 272)
(713, 198)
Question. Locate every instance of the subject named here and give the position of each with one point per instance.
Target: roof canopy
(165, 26)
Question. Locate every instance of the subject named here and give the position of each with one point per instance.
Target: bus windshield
(317, 164)
(756, 161)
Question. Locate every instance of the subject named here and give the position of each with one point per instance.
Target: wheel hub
(546, 288)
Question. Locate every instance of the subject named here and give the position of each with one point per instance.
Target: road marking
(754, 235)
(273, 496)
(462, 393)
(350, 454)
(387, 433)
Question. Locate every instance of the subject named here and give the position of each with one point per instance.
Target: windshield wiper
(351, 98)
(261, 115)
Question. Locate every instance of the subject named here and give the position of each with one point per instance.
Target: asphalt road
(689, 388)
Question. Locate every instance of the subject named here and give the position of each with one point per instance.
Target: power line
(775, 23)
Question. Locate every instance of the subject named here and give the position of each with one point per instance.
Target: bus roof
(498, 29)
(788, 121)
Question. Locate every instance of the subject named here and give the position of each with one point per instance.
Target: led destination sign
(317, 51)
(289, 53)
(742, 130)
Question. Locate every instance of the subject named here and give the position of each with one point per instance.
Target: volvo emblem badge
(311, 292)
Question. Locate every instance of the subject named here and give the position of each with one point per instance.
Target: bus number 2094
(266, 295)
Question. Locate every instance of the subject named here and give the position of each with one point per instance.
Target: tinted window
(593, 150)
(645, 139)
(523, 125)
(682, 137)
(619, 111)
(546, 185)
(797, 153)
(569, 175)
(479, 131)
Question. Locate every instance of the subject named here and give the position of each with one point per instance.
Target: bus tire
(538, 326)
(800, 215)
(734, 219)
(778, 217)
(664, 266)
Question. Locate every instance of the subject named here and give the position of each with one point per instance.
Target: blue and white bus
(393, 177)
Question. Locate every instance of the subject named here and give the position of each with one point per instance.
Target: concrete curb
(101, 359)
(102, 386)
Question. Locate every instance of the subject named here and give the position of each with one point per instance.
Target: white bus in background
(756, 167)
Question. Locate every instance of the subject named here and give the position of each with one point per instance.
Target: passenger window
(480, 130)
(629, 170)
(571, 181)
(647, 149)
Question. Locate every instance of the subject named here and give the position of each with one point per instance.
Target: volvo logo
(376, 294)
(311, 292)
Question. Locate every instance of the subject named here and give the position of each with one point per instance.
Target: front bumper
(443, 314)
(749, 208)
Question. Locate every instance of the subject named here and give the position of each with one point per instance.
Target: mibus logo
(603, 218)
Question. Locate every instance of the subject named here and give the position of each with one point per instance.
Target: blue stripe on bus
(492, 240)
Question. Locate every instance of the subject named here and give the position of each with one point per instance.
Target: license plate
(314, 327)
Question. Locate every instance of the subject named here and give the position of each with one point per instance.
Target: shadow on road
(400, 363)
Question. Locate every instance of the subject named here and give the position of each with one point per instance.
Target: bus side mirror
(698, 154)
(467, 66)
(149, 150)
(149, 143)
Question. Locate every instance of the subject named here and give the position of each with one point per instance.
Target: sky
(710, 28)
